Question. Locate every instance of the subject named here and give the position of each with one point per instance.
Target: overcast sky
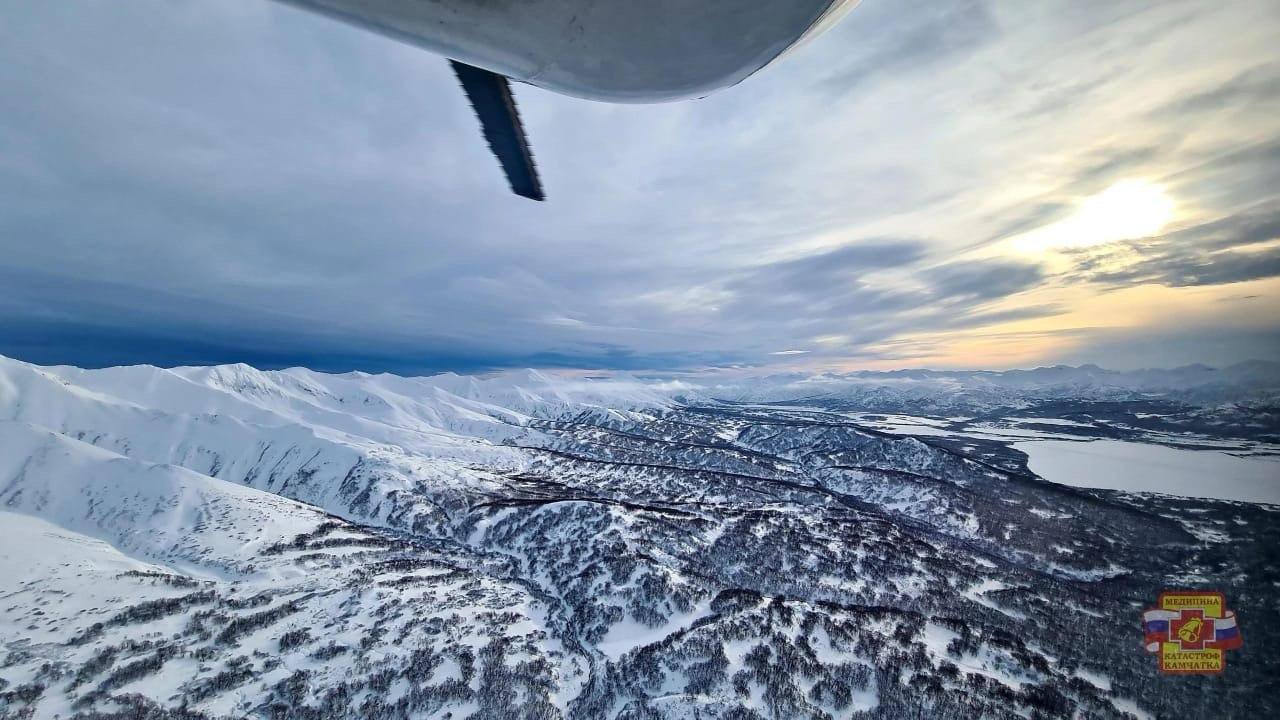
(946, 183)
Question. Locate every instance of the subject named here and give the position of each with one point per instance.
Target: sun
(1128, 210)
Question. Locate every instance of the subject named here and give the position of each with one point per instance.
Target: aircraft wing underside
(491, 98)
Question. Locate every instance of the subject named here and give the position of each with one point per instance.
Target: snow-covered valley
(229, 542)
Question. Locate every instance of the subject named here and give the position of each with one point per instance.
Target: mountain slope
(232, 542)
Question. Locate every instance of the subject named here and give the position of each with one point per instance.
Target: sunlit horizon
(976, 185)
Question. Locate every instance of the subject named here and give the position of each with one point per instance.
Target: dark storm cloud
(1182, 269)
(262, 207)
(1212, 253)
(816, 295)
(825, 272)
(980, 281)
(209, 182)
(1247, 228)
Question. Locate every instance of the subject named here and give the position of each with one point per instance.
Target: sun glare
(1127, 210)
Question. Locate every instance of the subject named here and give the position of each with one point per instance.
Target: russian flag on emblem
(1155, 627)
(1226, 635)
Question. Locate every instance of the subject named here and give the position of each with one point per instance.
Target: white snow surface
(1144, 467)
(114, 474)
(629, 635)
(267, 429)
(110, 479)
(146, 509)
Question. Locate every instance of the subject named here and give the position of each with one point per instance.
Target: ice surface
(1145, 467)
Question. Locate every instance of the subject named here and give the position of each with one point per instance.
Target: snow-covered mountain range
(230, 542)
(1253, 383)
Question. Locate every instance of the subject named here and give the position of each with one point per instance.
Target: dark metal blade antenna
(490, 96)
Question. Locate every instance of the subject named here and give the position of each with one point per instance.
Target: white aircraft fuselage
(607, 50)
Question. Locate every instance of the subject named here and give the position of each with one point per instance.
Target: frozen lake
(1143, 467)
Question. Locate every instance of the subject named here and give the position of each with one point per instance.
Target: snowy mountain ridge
(229, 542)
(983, 389)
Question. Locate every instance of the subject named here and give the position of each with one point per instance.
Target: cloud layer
(211, 182)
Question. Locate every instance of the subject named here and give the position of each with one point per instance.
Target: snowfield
(1144, 467)
(226, 542)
